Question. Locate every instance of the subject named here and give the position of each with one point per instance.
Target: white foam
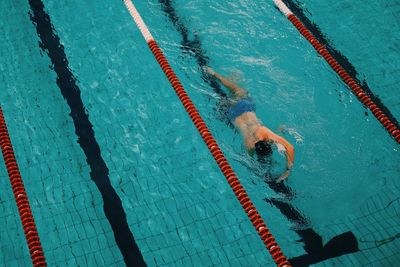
(281, 148)
(298, 137)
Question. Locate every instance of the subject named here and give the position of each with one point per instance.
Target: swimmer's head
(263, 149)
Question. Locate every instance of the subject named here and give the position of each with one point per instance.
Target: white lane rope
(283, 8)
(139, 21)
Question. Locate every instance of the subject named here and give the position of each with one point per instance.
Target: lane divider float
(212, 145)
(25, 213)
(361, 94)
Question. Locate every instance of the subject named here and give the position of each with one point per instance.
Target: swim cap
(263, 148)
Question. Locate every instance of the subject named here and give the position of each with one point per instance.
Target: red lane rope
(25, 213)
(219, 157)
(354, 86)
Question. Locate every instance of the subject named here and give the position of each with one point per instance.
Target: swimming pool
(98, 133)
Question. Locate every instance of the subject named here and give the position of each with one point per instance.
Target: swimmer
(257, 137)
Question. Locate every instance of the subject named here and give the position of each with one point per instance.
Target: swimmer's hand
(289, 155)
(282, 129)
(290, 158)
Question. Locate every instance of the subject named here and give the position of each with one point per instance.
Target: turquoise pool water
(152, 165)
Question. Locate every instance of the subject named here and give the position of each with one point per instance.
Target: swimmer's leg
(222, 109)
(235, 89)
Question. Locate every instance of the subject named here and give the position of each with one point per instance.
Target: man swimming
(257, 137)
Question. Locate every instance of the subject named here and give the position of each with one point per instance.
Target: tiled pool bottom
(179, 208)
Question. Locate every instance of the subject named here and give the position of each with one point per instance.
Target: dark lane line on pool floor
(316, 252)
(294, 6)
(113, 209)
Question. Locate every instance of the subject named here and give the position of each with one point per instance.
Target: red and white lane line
(344, 75)
(25, 213)
(212, 145)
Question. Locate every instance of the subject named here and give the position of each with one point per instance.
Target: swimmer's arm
(289, 153)
(289, 157)
(249, 145)
(239, 92)
(289, 149)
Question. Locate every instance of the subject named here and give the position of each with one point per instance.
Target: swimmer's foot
(209, 70)
(283, 176)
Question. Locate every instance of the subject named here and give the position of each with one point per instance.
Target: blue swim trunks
(241, 106)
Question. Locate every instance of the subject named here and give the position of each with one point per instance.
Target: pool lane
(340, 64)
(364, 39)
(99, 172)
